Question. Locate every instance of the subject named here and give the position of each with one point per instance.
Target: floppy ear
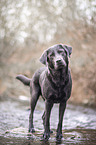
(68, 49)
(43, 58)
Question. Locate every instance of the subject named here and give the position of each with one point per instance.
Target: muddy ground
(79, 125)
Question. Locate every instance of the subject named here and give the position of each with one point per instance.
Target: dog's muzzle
(59, 63)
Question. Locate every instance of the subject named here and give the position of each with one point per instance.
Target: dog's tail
(24, 80)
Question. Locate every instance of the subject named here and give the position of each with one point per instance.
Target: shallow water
(79, 125)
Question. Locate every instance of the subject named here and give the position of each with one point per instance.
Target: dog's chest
(59, 95)
(54, 90)
(55, 93)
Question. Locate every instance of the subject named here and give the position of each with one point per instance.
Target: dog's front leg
(48, 107)
(61, 113)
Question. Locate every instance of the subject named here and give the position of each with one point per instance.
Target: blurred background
(28, 27)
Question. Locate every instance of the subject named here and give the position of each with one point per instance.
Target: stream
(79, 124)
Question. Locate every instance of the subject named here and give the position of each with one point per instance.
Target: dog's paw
(31, 130)
(46, 136)
(59, 136)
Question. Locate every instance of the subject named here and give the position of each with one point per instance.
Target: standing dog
(53, 83)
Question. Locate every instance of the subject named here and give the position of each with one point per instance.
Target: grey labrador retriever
(53, 83)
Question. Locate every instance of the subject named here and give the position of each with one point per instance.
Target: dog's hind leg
(35, 93)
(43, 118)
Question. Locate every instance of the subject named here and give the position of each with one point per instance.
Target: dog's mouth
(60, 67)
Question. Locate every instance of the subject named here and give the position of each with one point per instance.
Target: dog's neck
(56, 76)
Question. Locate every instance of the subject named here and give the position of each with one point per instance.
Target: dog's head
(56, 57)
